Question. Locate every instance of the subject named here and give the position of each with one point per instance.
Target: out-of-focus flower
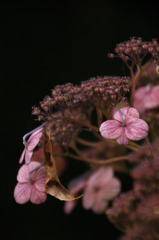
(76, 187)
(101, 187)
(125, 126)
(146, 98)
(30, 145)
(31, 184)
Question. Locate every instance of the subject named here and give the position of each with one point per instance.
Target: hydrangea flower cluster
(103, 122)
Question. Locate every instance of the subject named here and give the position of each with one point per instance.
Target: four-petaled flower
(125, 126)
(30, 145)
(101, 187)
(31, 184)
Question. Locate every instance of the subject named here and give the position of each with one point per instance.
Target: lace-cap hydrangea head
(109, 124)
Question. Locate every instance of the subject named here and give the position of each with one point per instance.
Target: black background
(43, 46)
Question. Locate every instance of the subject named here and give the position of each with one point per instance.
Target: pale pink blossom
(76, 186)
(125, 126)
(101, 187)
(31, 184)
(146, 98)
(30, 145)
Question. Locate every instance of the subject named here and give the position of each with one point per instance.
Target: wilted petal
(22, 193)
(37, 197)
(136, 129)
(123, 140)
(56, 189)
(110, 129)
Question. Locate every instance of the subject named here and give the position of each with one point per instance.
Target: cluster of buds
(62, 129)
(95, 90)
(135, 50)
(107, 89)
(139, 208)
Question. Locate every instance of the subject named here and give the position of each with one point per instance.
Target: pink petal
(88, 198)
(136, 129)
(37, 197)
(99, 206)
(132, 112)
(152, 100)
(34, 139)
(110, 129)
(22, 193)
(22, 156)
(69, 206)
(33, 165)
(37, 175)
(78, 187)
(100, 177)
(40, 173)
(147, 98)
(28, 155)
(95, 177)
(106, 177)
(140, 106)
(123, 140)
(23, 172)
(35, 133)
(40, 182)
(127, 111)
(140, 93)
(110, 190)
(118, 116)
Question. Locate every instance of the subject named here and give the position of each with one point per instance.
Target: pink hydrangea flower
(76, 186)
(31, 184)
(146, 98)
(101, 187)
(125, 126)
(30, 145)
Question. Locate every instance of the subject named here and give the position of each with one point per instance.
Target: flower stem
(99, 162)
(135, 81)
(83, 123)
(99, 114)
(89, 143)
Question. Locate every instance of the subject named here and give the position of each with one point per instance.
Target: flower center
(123, 117)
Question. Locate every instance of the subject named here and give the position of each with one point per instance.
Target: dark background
(43, 46)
